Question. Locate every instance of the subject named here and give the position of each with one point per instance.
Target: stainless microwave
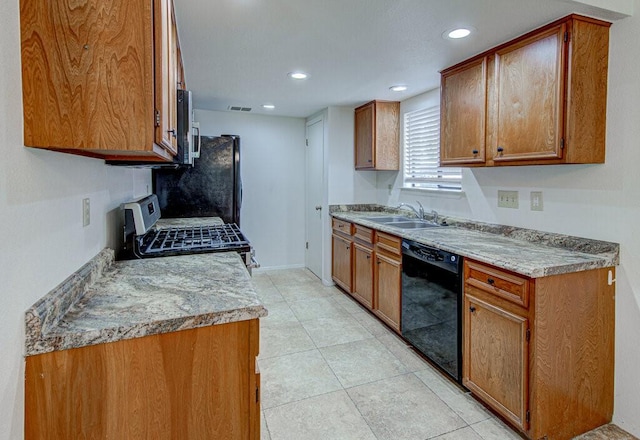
(188, 130)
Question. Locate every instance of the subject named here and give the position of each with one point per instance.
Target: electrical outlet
(86, 212)
(507, 199)
(536, 201)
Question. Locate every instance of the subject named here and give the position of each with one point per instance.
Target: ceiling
(239, 52)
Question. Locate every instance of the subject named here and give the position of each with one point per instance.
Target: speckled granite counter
(188, 222)
(524, 251)
(108, 301)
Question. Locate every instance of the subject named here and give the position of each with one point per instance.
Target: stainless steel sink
(415, 224)
(392, 219)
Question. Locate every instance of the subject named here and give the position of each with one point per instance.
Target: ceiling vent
(235, 108)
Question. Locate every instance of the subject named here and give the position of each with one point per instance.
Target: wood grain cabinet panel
(387, 300)
(190, 384)
(363, 275)
(529, 78)
(546, 95)
(507, 285)
(496, 354)
(377, 136)
(166, 38)
(388, 290)
(99, 78)
(342, 258)
(463, 114)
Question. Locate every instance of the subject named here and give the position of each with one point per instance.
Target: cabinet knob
(347, 247)
(173, 132)
(368, 257)
(369, 160)
(472, 309)
(491, 281)
(475, 152)
(500, 149)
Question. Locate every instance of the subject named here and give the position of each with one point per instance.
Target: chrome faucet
(419, 212)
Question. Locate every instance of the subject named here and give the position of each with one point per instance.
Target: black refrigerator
(211, 188)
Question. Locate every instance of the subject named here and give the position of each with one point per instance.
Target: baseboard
(271, 268)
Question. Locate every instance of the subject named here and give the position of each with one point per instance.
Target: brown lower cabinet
(363, 274)
(342, 255)
(540, 351)
(368, 265)
(192, 384)
(388, 279)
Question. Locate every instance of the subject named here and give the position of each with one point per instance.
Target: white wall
(272, 165)
(343, 185)
(595, 201)
(42, 240)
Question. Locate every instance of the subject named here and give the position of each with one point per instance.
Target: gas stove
(142, 239)
(173, 241)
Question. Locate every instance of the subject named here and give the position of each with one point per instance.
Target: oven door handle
(253, 264)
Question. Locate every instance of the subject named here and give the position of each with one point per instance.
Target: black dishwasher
(432, 304)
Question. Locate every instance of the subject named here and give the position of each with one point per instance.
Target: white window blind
(422, 153)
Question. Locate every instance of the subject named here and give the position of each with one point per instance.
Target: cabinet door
(529, 86)
(166, 75)
(463, 114)
(192, 384)
(388, 287)
(496, 358)
(365, 135)
(341, 262)
(363, 275)
(87, 75)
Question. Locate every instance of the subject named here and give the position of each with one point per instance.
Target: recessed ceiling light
(455, 34)
(298, 75)
(268, 106)
(398, 88)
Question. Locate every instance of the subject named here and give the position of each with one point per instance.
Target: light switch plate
(536, 201)
(86, 212)
(507, 199)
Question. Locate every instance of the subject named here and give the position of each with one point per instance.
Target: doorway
(314, 166)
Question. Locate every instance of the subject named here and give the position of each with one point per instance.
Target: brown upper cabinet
(539, 99)
(463, 114)
(100, 79)
(377, 134)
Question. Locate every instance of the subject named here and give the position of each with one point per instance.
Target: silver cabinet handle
(318, 208)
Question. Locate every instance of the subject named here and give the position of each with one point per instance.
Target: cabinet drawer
(507, 285)
(342, 226)
(363, 234)
(388, 243)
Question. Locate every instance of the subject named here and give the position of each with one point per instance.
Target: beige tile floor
(332, 371)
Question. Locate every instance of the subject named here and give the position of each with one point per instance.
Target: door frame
(323, 214)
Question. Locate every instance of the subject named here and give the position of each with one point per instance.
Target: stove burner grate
(225, 237)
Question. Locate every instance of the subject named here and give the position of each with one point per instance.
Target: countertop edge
(609, 257)
(43, 320)
(55, 342)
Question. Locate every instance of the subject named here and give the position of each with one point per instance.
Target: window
(422, 153)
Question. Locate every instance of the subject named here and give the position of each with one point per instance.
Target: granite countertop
(524, 251)
(164, 223)
(107, 300)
